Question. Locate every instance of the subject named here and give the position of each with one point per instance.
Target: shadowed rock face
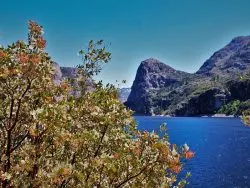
(239, 90)
(211, 100)
(205, 103)
(69, 72)
(232, 59)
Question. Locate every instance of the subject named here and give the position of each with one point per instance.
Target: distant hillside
(160, 89)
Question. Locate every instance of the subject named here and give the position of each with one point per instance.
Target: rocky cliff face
(234, 58)
(206, 103)
(211, 100)
(152, 75)
(159, 88)
(69, 72)
(240, 90)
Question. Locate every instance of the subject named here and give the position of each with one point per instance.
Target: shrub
(49, 138)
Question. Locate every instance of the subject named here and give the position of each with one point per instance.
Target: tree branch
(19, 104)
(19, 143)
(100, 144)
(132, 177)
(99, 147)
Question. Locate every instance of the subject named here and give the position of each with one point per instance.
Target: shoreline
(200, 116)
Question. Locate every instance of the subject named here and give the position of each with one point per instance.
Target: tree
(50, 138)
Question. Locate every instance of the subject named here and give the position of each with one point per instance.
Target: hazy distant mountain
(123, 94)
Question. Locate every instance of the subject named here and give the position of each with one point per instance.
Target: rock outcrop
(152, 75)
(206, 103)
(240, 90)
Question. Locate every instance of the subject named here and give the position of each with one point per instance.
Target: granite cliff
(152, 75)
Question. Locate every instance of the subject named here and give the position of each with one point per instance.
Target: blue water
(222, 147)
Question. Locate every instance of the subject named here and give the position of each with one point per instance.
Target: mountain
(152, 75)
(233, 59)
(160, 89)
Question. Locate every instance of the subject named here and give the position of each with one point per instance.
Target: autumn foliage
(51, 138)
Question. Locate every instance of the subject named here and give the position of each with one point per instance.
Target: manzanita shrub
(246, 117)
(51, 138)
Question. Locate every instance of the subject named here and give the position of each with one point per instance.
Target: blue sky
(181, 33)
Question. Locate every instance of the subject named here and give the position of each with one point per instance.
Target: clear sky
(181, 33)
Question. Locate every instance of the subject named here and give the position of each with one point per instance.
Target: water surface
(222, 147)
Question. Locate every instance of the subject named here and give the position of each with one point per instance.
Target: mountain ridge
(156, 81)
(227, 57)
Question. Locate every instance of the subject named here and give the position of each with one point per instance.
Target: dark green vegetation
(160, 89)
(235, 107)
